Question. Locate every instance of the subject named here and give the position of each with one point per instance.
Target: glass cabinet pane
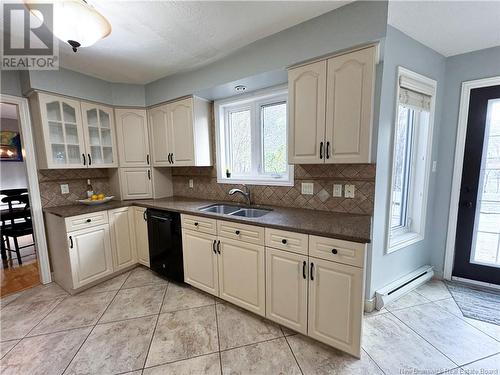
(53, 111)
(95, 152)
(107, 155)
(94, 136)
(104, 117)
(56, 134)
(71, 134)
(58, 154)
(92, 117)
(106, 137)
(74, 154)
(69, 113)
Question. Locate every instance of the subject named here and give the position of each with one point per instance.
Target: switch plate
(191, 184)
(307, 188)
(337, 190)
(64, 189)
(349, 191)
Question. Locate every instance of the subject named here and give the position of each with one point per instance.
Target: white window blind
(415, 94)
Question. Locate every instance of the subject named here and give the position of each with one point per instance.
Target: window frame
(254, 102)
(400, 237)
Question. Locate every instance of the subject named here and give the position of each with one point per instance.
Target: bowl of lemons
(96, 199)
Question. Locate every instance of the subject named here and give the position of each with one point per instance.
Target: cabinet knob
(89, 220)
(334, 251)
(195, 224)
(237, 232)
(283, 241)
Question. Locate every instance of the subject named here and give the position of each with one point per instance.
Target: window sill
(402, 241)
(249, 181)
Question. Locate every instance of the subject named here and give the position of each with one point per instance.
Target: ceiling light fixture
(76, 22)
(240, 88)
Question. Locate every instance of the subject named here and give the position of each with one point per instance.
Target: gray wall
(10, 82)
(399, 50)
(460, 68)
(350, 25)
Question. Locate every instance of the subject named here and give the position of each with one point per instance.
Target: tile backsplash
(51, 179)
(362, 176)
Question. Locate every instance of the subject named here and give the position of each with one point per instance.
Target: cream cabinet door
(306, 113)
(336, 304)
(181, 132)
(62, 132)
(132, 135)
(121, 221)
(90, 254)
(99, 130)
(136, 183)
(141, 235)
(286, 289)
(158, 123)
(349, 107)
(241, 274)
(200, 261)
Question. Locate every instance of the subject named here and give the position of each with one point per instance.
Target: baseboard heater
(402, 286)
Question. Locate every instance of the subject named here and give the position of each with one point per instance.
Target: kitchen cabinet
(331, 109)
(121, 222)
(141, 235)
(158, 118)
(133, 137)
(135, 183)
(99, 131)
(286, 288)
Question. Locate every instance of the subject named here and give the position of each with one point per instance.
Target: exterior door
(477, 249)
(141, 236)
(132, 135)
(180, 132)
(200, 261)
(122, 237)
(158, 121)
(306, 113)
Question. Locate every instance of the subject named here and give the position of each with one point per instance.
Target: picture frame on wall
(10, 146)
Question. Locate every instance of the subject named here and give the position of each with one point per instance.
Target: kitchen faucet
(245, 193)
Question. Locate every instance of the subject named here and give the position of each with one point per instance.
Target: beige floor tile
(375, 312)
(5, 346)
(184, 334)
(270, 357)
(135, 302)
(238, 327)
(4, 301)
(408, 300)
(395, 347)
(458, 340)
(181, 297)
(141, 276)
(115, 347)
(109, 285)
(40, 293)
(18, 319)
(319, 359)
(74, 312)
(490, 365)
(206, 365)
(45, 354)
(433, 290)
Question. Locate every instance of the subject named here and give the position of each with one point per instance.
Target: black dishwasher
(165, 244)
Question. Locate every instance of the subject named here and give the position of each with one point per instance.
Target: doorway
(477, 242)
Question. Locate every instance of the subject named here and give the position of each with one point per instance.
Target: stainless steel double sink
(228, 209)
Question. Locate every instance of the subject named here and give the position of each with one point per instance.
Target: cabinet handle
(90, 159)
(312, 271)
(195, 224)
(147, 159)
(283, 241)
(88, 220)
(144, 216)
(70, 242)
(321, 150)
(304, 269)
(213, 247)
(168, 157)
(334, 251)
(149, 174)
(218, 246)
(237, 232)
(84, 160)
(173, 161)
(328, 150)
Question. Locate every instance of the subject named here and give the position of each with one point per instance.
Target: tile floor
(137, 323)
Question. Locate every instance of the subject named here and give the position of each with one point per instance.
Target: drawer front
(86, 221)
(289, 241)
(199, 224)
(346, 252)
(242, 232)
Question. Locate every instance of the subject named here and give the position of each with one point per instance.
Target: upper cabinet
(133, 137)
(180, 132)
(331, 109)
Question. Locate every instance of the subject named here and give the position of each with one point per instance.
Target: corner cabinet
(133, 137)
(141, 235)
(122, 228)
(331, 109)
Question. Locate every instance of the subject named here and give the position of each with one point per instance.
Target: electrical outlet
(434, 166)
(307, 188)
(337, 190)
(191, 184)
(349, 191)
(64, 189)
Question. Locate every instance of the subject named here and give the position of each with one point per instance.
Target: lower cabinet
(90, 254)
(121, 221)
(141, 235)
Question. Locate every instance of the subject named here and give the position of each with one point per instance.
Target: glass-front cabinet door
(63, 132)
(99, 128)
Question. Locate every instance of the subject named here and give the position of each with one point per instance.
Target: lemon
(100, 196)
(93, 197)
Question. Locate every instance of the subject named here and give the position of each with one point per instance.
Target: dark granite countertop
(328, 224)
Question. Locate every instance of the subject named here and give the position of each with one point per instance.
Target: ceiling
(153, 39)
(449, 27)
(8, 111)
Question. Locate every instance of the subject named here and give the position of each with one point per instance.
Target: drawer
(242, 232)
(86, 221)
(284, 240)
(199, 224)
(340, 251)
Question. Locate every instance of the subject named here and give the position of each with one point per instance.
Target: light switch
(337, 190)
(191, 184)
(307, 188)
(349, 191)
(434, 166)
(64, 189)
